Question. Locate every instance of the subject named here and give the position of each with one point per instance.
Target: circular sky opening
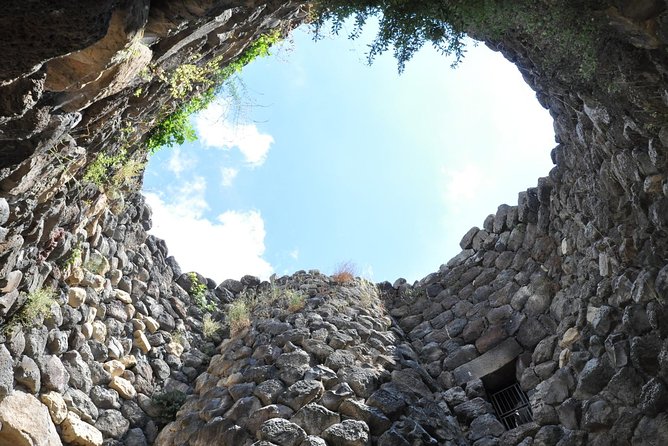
(319, 158)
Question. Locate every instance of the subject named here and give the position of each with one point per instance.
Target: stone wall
(103, 335)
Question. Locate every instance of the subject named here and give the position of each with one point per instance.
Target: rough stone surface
(26, 421)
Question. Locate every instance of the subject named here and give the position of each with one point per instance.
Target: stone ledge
(488, 362)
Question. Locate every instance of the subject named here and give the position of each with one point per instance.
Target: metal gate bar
(512, 406)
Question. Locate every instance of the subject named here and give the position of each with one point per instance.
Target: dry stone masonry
(550, 327)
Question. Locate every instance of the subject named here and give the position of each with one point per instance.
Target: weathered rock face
(562, 297)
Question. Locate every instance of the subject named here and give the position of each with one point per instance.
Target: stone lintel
(488, 362)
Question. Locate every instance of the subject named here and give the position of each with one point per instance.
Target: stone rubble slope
(336, 372)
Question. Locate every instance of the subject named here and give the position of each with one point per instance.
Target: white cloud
(188, 200)
(294, 254)
(180, 162)
(230, 247)
(228, 174)
(463, 185)
(216, 131)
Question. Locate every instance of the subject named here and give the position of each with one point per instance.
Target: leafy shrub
(202, 84)
(198, 292)
(168, 404)
(405, 26)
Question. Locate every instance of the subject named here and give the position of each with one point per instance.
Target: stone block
(488, 362)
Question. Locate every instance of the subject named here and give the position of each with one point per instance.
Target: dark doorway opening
(510, 402)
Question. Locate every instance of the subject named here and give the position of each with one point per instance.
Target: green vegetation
(403, 24)
(238, 316)
(73, 257)
(113, 173)
(168, 404)
(36, 306)
(179, 337)
(201, 84)
(209, 326)
(567, 30)
(198, 292)
(296, 300)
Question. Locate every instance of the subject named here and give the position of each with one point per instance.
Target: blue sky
(328, 160)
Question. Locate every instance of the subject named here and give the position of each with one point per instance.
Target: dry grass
(296, 300)
(238, 316)
(344, 272)
(209, 326)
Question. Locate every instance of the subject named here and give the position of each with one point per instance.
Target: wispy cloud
(180, 162)
(229, 247)
(216, 131)
(294, 254)
(227, 176)
(463, 185)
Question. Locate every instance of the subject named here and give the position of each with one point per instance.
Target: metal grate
(512, 406)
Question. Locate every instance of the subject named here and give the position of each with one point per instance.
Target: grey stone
(593, 377)
(6, 371)
(597, 414)
(243, 407)
(332, 398)
(340, 359)
(473, 408)
(644, 353)
(654, 397)
(35, 342)
(488, 362)
(134, 414)
(460, 356)
(218, 431)
(268, 391)
(258, 417)
(104, 398)
(363, 381)
(467, 240)
(135, 437)
(484, 426)
(651, 430)
(625, 386)
(112, 424)
(569, 413)
(544, 350)
(314, 418)
(57, 342)
(301, 393)
(347, 433)
(281, 432)
(79, 372)
(392, 403)
(548, 435)
(27, 374)
(79, 403)
(313, 441)
(373, 417)
(54, 376)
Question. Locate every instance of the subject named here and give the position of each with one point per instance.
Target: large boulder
(26, 422)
